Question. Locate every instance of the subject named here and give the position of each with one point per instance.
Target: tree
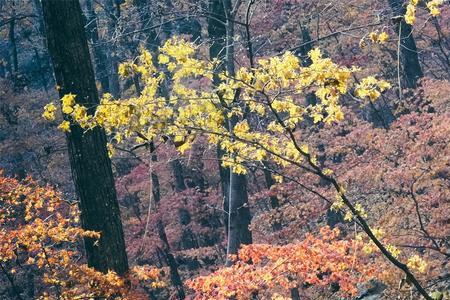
(273, 89)
(411, 71)
(264, 271)
(112, 9)
(40, 232)
(91, 166)
(234, 186)
(260, 89)
(12, 40)
(166, 251)
(98, 49)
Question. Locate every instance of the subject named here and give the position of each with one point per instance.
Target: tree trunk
(113, 10)
(302, 53)
(171, 262)
(274, 203)
(295, 295)
(184, 215)
(12, 41)
(100, 59)
(234, 186)
(411, 71)
(114, 86)
(42, 59)
(167, 253)
(42, 72)
(217, 32)
(38, 9)
(238, 211)
(177, 171)
(2, 69)
(91, 166)
(238, 215)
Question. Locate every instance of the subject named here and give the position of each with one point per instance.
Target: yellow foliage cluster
(371, 88)
(192, 105)
(432, 5)
(375, 38)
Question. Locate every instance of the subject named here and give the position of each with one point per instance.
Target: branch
(363, 223)
(333, 35)
(16, 18)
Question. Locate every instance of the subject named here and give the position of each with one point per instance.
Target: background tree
(410, 70)
(234, 186)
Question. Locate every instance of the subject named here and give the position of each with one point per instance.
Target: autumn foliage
(346, 170)
(40, 236)
(264, 270)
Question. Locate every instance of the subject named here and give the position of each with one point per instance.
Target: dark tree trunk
(269, 182)
(91, 166)
(38, 9)
(41, 58)
(12, 41)
(302, 53)
(167, 253)
(156, 192)
(177, 170)
(237, 214)
(187, 237)
(100, 59)
(224, 174)
(40, 68)
(295, 295)
(217, 32)
(114, 86)
(171, 262)
(2, 69)
(306, 46)
(234, 186)
(274, 203)
(113, 10)
(411, 71)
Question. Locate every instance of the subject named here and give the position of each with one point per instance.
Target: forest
(224, 149)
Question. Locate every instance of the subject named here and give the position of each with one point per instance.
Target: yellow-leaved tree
(266, 102)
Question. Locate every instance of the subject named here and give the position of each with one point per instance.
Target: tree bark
(91, 166)
(171, 262)
(411, 71)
